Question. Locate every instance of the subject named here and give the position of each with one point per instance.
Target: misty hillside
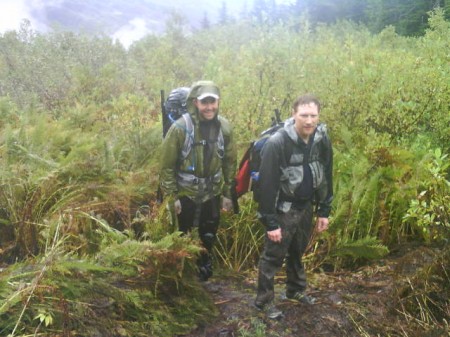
(124, 20)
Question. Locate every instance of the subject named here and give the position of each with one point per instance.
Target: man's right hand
(275, 235)
(177, 206)
(322, 224)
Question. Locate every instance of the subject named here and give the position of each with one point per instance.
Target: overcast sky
(13, 12)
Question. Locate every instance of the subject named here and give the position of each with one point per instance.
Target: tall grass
(240, 237)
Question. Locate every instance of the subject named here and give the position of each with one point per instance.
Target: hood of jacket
(198, 88)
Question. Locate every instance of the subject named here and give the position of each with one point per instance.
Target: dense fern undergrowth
(84, 247)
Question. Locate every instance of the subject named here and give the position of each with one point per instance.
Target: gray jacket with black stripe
(281, 172)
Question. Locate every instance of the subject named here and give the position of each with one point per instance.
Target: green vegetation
(82, 240)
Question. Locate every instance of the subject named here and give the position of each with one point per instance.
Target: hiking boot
(204, 273)
(270, 310)
(301, 297)
(273, 312)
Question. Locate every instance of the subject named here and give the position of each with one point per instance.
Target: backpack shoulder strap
(189, 136)
(288, 148)
(224, 129)
(220, 141)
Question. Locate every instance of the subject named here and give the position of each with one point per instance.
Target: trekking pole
(234, 197)
(277, 116)
(159, 194)
(163, 114)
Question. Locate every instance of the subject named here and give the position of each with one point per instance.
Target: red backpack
(247, 176)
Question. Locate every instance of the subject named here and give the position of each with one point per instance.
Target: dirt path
(329, 316)
(357, 303)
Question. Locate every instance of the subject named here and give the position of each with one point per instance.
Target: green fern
(368, 248)
(128, 282)
(368, 209)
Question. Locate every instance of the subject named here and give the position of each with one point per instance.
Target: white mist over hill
(123, 20)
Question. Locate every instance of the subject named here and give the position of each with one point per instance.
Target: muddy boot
(270, 310)
(205, 268)
(300, 297)
(204, 273)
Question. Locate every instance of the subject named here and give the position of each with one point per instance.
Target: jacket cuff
(270, 221)
(226, 192)
(323, 211)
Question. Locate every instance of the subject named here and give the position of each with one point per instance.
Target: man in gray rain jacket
(296, 177)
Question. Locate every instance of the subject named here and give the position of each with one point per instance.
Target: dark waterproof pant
(296, 229)
(207, 217)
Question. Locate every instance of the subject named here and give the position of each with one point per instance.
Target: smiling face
(207, 107)
(306, 117)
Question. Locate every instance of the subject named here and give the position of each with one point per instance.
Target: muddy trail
(351, 303)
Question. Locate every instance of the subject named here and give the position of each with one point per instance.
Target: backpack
(173, 107)
(247, 176)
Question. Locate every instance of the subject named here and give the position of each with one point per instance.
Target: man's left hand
(227, 204)
(322, 224)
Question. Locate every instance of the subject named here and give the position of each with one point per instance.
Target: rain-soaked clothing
(296, 227)
(296, 178)
(199, 175)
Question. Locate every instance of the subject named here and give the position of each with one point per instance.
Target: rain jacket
(189, 177)
(281, 173)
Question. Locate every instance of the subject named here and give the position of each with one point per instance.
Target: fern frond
(368, 248)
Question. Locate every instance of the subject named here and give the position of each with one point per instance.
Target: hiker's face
(207, 107)
(306, 118)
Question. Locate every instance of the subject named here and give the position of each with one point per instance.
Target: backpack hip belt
(204, 184)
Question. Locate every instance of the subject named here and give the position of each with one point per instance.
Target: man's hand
(321, 224)
(227, 204)
(177, 206)
(275, 235)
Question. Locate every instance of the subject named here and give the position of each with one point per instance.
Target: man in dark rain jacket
(198, 165)
(296, 177)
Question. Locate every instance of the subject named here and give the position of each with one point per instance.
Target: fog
(14, 12)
